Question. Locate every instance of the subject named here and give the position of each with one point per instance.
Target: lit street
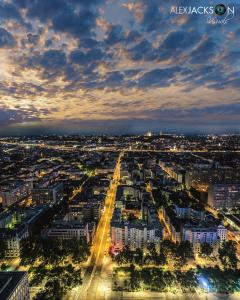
(92, 276)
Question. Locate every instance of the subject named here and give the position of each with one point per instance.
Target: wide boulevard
(91, 286)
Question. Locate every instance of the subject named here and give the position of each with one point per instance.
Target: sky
(117, 66)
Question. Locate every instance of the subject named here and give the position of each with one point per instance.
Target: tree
(79, 249)
(53, 251)
(206, 249)
(146, 276)
(135, 278)
(160, 199)
(119, 259)
(127, 255)
(31, 250)
(138, 256)
(52, 291)
(185, 250)
(227, 254)
(4, 267)
(151, 248)
(59, 280)
(125, 283)
(161, 258)
(54, 288)
(153, 252)
(168, 249)
(188, 280)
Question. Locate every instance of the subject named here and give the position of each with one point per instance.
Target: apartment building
(49, 195)
(14, 286)
(224, 195)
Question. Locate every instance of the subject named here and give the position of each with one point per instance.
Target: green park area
(174, 268)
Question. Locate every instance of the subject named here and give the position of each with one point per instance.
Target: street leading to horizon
(91, 286)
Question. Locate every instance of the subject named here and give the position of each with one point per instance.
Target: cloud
(215, 119)
(152, 17)
(210, 113)
(51, 63)
(9, 11)
(158, 77)
(232, 57)
(20, 89)
(76, 17)
(115, 35)
(44, 9)
(80, 24)
(114, 79)
(93, 59)
(12, 116)
(6, 39)
(32, 38)
(210, 75)
(177, 42)
(179, 39)
(53, 59)
(143, 51)
(88, 43)
(48, 43)
(83, 58)
(204, 51)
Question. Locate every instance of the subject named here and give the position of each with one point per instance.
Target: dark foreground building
(14, 286)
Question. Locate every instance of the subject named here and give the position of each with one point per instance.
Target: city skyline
(116, 67)
(120, 217)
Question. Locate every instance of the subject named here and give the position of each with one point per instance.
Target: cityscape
(119, 150)
(153, 216)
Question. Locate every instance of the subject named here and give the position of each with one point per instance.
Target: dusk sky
(117, 66)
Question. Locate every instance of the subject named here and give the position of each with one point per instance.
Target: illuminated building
(48, 195)
(16, 226)
(14, 191)
(224, 195)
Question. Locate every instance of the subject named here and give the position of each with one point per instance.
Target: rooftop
(8, 282)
